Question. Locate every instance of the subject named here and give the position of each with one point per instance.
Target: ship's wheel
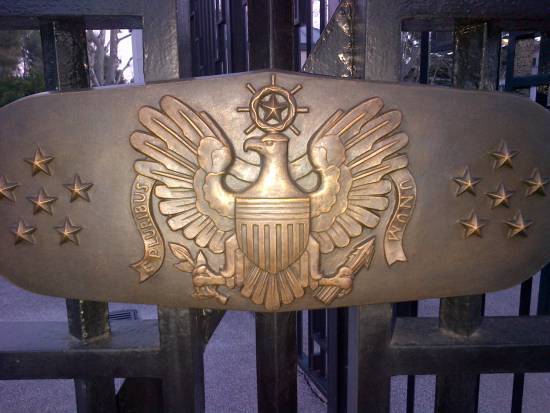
(273, 108)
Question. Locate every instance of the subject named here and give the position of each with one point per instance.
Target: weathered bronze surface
(270, 191)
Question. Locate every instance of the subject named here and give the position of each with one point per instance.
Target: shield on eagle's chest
(272, 232)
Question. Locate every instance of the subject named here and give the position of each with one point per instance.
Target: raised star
(79, 189)
(466, 182)
(273, 109)
(503, 156)
(518, 225)
(42, 202)
(68, 232)
(39, 162)
(23, 232)
(472, 225)
(501, 197)
(6, 189)
(536, 183)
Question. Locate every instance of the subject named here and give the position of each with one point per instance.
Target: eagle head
(268, 145)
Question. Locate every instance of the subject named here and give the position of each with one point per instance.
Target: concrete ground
(230, 374)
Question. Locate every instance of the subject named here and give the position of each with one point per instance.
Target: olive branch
(189, 265)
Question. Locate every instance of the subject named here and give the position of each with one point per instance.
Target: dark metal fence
(351, 353)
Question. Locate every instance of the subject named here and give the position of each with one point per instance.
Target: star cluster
(44, 202)
(506, 195)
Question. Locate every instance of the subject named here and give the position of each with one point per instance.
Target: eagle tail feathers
(272, 289)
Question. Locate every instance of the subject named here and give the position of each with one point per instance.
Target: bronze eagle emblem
(272, 231)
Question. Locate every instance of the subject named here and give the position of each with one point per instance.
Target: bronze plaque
(272, 191)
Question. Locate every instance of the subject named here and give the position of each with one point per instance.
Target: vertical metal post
(167, 51)
(369, 381)
(424, 57)
(468, 50)
(490, 57)
(477, 56)
(519, 378)
(276, 361)
(376, 56)
(526, 286)
(270, 33)
(309, 26)
(322, 15)
(166, 40)
(95, 395)
(239, 60)
(65, 55)
(510, 60)
(359, 40)
(183, 337)
(544, 67)
(316, 323)
(49, 55)
(334, 348)
(297, 18)
(377, 36)
(337, 356)
(543, 305)
(88, 319)
(167, 48)
(459, 393)
(477, 49)
(461, 315)
(410, 308)
(182, 345)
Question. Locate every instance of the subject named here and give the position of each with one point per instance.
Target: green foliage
(10, 52)
(32, 53)
(21, 68)
(16, 87)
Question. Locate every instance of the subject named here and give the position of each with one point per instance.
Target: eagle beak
(254, 144)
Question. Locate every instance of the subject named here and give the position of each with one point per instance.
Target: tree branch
(93, 78)
(120, 75)
(124, 37)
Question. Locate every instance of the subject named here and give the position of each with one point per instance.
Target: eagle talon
(343, 279)
(203, 293)
(203, 276)
(206, 283)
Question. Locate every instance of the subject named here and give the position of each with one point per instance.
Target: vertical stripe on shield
(284, 246)
(272, 265)
(272, 233)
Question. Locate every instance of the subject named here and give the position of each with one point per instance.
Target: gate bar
(181, 349)
(271, 41)
(476, 48)
(499, 345)
(276, 360)
(44, 350)
(458, 393)
(66, 68)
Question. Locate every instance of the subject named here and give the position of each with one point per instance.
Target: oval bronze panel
(271, 191)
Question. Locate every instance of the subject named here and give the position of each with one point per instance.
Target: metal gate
(163, 361)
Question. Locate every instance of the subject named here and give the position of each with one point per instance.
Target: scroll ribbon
(406, 199)
(153, 243)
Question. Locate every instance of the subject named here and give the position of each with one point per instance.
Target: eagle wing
(188, 157)
(353, 153)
